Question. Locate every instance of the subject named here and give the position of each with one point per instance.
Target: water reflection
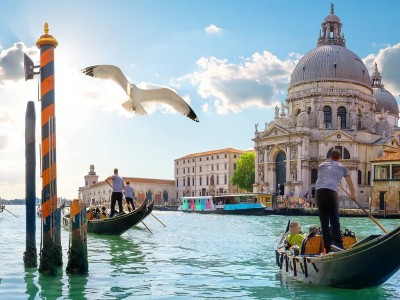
(29, 278)
(77, 287)
(50, 286)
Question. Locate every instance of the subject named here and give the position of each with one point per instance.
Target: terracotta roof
(212, 152)
(134, 180)
(389, 156)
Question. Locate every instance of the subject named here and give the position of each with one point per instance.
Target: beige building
(332, 102)
(385, 197)
(99, 192)
(206, 173)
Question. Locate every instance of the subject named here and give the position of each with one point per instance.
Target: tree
(244, 175)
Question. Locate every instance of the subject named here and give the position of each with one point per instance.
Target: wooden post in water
(50, 255)
(30, 254)
(77, 258)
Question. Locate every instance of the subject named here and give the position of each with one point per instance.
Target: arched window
(327, 116)
(341, 113)
(314, 176)
(359, 177)
(359, 126)
(343, 150)
(188, 181)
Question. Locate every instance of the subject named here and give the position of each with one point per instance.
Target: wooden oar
(158, 220)
(369, 215)
(10, 212)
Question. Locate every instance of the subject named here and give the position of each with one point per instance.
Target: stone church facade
(332, 102)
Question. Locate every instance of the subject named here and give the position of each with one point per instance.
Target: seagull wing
(109, 72)
(165, 96)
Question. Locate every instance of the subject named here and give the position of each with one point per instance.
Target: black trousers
(129, 200)
(116, 196)
(328, 208)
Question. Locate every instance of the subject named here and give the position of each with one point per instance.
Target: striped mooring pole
(30, 254)
(77, 254)
(50, 255)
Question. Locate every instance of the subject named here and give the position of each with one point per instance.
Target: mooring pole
(51, 255)
(30, 255)
(77, 258)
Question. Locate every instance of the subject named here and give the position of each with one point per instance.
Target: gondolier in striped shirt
(330, 173)
(116, 196)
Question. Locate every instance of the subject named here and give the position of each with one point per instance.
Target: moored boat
(233, 204)
(120, 223)
(2, 207)
(367, 263)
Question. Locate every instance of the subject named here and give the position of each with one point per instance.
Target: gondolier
(116, 196)
(330, 173)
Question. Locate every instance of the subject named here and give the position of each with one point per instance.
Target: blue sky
(231, 60)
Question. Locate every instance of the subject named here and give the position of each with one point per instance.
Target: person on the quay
(116, 196)
(129, 196)
(330, 173)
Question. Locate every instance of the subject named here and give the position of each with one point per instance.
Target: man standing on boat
(117, 186)
(330, 173)
(129, 196)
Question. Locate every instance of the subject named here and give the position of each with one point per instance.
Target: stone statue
(256, 127)
(266, 126)
(261, 155)
(293, 151)
(283, 109)
(321, 119)
(276, 112)
(339, 121)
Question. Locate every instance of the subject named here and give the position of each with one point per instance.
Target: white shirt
(128, 192)
(117, 184)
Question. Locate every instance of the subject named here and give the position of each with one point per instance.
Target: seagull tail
(138, 109)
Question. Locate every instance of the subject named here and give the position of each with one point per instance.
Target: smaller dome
(332, 18)
(385, 100)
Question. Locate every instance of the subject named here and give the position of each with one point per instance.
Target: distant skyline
(231, 60)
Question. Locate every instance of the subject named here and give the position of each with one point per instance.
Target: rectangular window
(177, 184)
(226, 155)
(217, 167)
(217, 156)
(217, 180)
(183, 180)
(396, 171)
(234, 156)
(200, 169)
(382, 172)
(192, 181)
(234, 166)
(193, 169)
(225, 179)
(183, 170)
(207, 157)
(200, 181)
(212, 167)
(226, 166)
(207, 180)
(200, 158)
(177, 171)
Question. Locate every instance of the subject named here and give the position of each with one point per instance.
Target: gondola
(367, 263)
(120, 223)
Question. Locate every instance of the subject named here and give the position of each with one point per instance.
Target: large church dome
(330, 63)
(385, 100)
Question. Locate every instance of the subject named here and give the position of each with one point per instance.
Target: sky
(230, 60)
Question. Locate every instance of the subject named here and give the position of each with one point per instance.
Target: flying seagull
(138, 96)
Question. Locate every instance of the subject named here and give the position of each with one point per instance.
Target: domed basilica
(332, 102)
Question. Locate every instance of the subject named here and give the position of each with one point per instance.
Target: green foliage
(244, 175)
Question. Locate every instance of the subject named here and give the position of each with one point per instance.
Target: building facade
(332, 102)
(385, 198)
(96, 192)
(206, 173)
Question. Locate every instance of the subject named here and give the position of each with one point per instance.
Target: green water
(195, 256)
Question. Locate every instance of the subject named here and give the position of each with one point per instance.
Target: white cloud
(388, 60)
(205, 107)
(258, 81)
(212, 29)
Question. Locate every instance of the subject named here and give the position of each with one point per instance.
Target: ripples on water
(195, 256)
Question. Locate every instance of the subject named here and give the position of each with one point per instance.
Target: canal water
(195, 257)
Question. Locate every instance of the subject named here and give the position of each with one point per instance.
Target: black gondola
(120, 223)
(368, 263)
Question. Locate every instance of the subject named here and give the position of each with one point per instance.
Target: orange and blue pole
(51, 249)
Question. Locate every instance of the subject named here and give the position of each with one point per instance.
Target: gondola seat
(348, 241)
(312, 245)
